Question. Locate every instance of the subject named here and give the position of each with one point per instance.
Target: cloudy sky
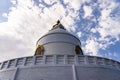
(95, 22)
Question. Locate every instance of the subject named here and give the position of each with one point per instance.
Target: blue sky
(95, 22)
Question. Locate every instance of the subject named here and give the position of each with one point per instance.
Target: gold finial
(58, 22)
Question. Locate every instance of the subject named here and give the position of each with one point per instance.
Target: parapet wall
(59, 60)
(60, 67)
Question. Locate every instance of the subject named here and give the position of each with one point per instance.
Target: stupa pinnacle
(58, 25)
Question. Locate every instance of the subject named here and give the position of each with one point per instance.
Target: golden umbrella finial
(58, 22)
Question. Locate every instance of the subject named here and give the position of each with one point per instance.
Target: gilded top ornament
(58, 22)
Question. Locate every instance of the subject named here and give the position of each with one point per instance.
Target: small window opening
(78, 50)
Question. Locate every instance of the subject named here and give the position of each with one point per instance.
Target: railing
(59, 60)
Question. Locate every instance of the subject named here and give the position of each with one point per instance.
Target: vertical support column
(103, 60)
(44, 59)
(86, 59)
(74, 72)
(95, 60)
(65, 59)
(7, 64)
(15, 63)
(55, 59)
(1, 65)
(15, 74)
(24, 61)
(117, 65)
(76, 60)
(110, 62)
(34, 60)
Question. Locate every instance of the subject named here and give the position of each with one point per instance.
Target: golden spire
(58, 22)
(58, 25)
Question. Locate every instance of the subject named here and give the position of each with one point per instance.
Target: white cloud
(6, 29)
(108, 26)
(11, 48)
(25, 25)
(5, 15)
(75, 4)
(79, 34)
(108, 30)
(92, 47)
(88, 11)
(13, 2)
(50, 1)
(93, 30)
(107, 7)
